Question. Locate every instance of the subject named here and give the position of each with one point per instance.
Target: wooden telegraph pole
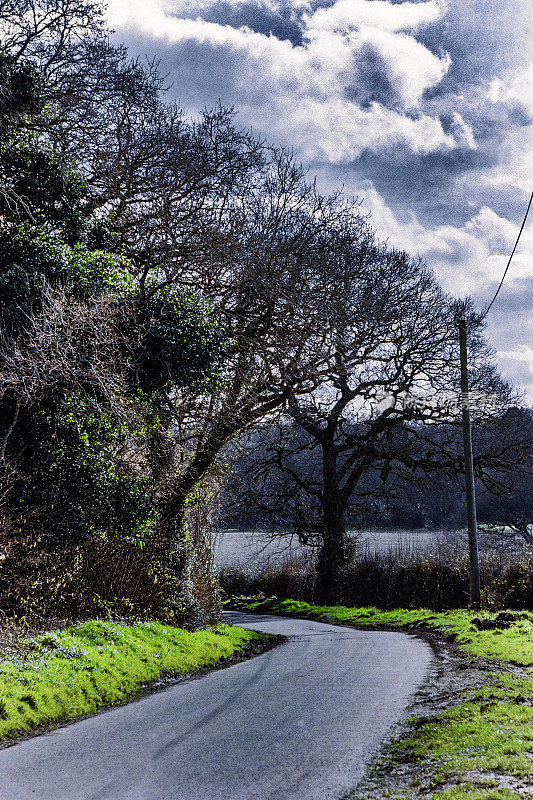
(475, 583)
(475, 593)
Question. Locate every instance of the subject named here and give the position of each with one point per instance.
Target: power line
(510, 259)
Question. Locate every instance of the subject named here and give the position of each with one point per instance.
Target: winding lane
(300, 722)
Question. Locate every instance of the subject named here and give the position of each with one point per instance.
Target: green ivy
(182, 342)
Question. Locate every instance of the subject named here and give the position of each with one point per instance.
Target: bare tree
(271, 280)
(203, 206)
(390, 376)
(506, 504)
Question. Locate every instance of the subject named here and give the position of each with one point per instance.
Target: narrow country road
(297, 723)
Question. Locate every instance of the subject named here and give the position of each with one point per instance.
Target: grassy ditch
(472, 738)
(61, 675)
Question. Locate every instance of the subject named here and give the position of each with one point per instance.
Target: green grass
(64, 675)
(514, 644)
(466, 791)
(486, 733)
(489, 732)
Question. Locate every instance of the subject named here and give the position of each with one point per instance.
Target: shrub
(96, 578)
(383, 580)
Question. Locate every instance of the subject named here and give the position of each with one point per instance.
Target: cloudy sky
(422, 109)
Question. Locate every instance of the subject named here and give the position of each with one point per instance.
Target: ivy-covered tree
(84, 353)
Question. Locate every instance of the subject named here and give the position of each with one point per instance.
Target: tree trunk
(524, 530)
(332, 560)
(333, 556)
(174, 556)
(173, 537)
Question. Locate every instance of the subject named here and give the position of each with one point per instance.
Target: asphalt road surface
(300, 722)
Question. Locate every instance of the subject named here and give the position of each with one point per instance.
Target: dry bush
(293, 577)
(99, 577)
(435, 581)
(69, 345)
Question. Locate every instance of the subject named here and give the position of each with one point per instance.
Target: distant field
(252, 550)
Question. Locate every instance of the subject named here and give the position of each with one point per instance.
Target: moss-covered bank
(59, 676)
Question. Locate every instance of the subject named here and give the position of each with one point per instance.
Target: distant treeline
(262, 493)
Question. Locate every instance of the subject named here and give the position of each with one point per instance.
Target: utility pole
(475, 584)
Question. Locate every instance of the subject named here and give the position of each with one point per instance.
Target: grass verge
(513, 644)
(62, 675)
(473, 736)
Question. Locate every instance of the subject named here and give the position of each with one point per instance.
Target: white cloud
(517, 365)
(464, 135)
(121, 13)
(412, 68)
(352, 14)
(523, 353)
(316, 86)
(339, 131)
(468, 259)
(515, 167)
(498, 233)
